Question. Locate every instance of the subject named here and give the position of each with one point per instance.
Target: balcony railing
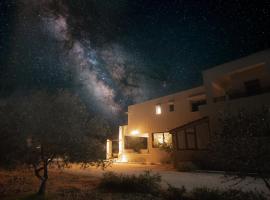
(237, 95)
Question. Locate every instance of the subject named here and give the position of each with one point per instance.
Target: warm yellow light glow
(121, 143)
(160, 140)
(135, 132)
(123, 158)
(109, 149)
(158, 109)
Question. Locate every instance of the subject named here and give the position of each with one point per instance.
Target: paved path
(175, 178)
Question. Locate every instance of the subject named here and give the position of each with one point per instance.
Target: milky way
(103, 73)
(117, 53)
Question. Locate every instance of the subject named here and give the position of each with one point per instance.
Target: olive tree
(242, 144)
(47, 127)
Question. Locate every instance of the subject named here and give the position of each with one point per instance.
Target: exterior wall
(232, 75)
(109, 154)
(251, 103)
(224, 83)
(142, 117)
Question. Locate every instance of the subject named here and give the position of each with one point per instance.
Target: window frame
(176, 137)
(194, 133)
(126, 146)
(171, 107)
(198, 104)
(163, 138)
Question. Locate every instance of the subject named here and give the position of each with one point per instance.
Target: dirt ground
(16, 183)
(75, 180)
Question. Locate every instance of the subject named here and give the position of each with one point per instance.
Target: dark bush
(241, 143)
(215, 194)
(206, 194)
(149, 184)
(174, 193)
(143, 183)
(239, 195)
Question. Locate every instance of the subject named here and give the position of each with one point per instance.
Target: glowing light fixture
(135, 132)
(109, 149)
(158, 109)
(124, 158)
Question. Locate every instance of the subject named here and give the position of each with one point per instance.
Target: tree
(242, 144)
(47, 127)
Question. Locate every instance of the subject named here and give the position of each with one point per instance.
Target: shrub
(173, 193)
(143, 183)
(206, 194)
(215, 194)
(186, 166)
(237, 131)
(239, 195)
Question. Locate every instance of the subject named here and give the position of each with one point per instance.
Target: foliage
(206, 194)
(166, 147)
(173, 193)
(143, 183)
(150, 184)
(44, 127)
(186, 166)
(242, 144)
(215, 194)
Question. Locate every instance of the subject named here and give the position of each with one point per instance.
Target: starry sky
(114, 53)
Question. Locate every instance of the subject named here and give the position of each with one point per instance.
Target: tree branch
(266, 182)
(49, 160)
(37, 170)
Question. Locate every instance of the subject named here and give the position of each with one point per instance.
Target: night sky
(118, 52)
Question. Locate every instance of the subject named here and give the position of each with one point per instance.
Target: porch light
(123, 158)
(135, 132)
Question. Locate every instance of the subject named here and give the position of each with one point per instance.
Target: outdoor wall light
(135, 132)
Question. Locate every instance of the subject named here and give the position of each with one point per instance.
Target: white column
(121, 141)
(109, 149)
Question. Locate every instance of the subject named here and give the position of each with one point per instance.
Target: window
(158, 109)
(135, 143)
(161, 138)
(202, 134)
(186, 139)
(253, 87)
(171, 107)
(196, 104)
(193, 137)
(181, 139)
(167, 138)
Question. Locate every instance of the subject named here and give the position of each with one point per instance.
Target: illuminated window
(167, 138)
(161, 138)
(158, 109)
